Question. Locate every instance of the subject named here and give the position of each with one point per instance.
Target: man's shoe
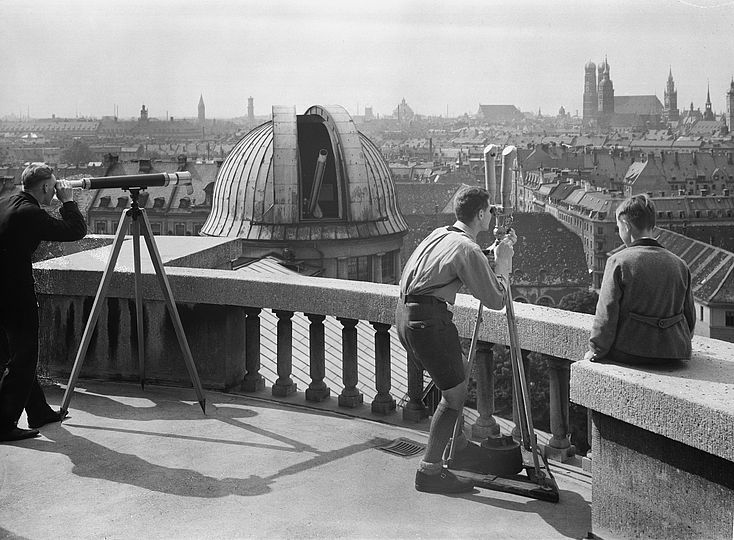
(18, 434)
(49, 418)
(444, 482)
(473, 458)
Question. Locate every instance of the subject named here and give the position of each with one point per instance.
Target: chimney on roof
(110, 159)
(144, 166)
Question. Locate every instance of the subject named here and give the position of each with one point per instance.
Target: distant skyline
(90, 58)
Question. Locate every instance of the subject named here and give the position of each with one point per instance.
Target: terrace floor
(130, 463)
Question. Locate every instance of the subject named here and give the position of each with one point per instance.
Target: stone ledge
(692, 402)
(559, 333)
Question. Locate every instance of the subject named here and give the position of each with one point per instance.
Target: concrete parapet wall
(663, 458)
(692, 402)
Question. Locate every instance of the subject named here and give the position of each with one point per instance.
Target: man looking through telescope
(447, 259)
(23, 225)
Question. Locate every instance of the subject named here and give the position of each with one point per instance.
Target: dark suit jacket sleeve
(604, 329)
(71, 227)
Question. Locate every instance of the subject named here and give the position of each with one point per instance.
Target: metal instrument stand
(134, 217)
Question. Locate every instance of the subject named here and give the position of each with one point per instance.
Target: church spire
(708, 113)
(202, 109)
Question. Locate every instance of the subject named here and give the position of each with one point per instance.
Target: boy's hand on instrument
(503, 257)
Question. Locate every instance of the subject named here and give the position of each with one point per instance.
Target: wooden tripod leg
(96, 308)
(171, 304)
(525, 414)
(469, 368)
(139, 301)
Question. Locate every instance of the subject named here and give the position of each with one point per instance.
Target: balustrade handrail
(555, 332)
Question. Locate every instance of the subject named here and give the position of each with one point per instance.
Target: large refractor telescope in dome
(313, 186)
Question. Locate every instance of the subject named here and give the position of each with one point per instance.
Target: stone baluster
(414, 410)
(517, 396)
(383, 403)
(350, 396)
(284, 386)
(253, 381)
(317, 389)
(486, 425)
(559, 377)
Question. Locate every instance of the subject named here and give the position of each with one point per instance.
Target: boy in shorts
(446, 260)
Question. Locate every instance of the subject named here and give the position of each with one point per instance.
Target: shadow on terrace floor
(155, 456)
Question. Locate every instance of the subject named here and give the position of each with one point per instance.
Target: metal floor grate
(403, 447)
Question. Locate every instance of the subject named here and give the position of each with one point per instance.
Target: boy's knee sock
(442, 428)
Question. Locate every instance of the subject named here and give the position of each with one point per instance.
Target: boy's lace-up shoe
(443, 482)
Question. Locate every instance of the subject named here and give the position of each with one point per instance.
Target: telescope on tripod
(137, 221)
(136, 181)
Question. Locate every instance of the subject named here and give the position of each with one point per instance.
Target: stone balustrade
(221, 311)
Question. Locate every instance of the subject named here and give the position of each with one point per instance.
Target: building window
(729, 318)
(359, 268)
(388, 267)
(156, 228)
(101, 227)
(701, 312)
(180, 229)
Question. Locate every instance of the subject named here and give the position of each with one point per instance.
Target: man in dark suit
(23, 225)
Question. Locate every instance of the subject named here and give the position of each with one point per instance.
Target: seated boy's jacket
(645, 304)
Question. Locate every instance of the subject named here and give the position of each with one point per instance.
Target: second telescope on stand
(136, 220)
(136, 181)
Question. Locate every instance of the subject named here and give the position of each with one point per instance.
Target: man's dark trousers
(20, 388)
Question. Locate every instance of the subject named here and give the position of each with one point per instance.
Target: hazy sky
(79, 57)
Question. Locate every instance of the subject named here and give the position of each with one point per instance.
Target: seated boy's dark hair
(34, 174)
(469, 201)
(640, 212)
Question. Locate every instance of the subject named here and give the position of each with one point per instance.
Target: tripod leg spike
(202, 404)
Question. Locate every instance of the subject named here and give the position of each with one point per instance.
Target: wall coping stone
(691, 402)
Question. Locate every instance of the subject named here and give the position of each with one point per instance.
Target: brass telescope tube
(136, 181)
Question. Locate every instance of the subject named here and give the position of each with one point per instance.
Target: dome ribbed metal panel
(245, 171)
(256, 191)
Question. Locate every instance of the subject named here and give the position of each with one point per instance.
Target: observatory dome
(306, 177)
